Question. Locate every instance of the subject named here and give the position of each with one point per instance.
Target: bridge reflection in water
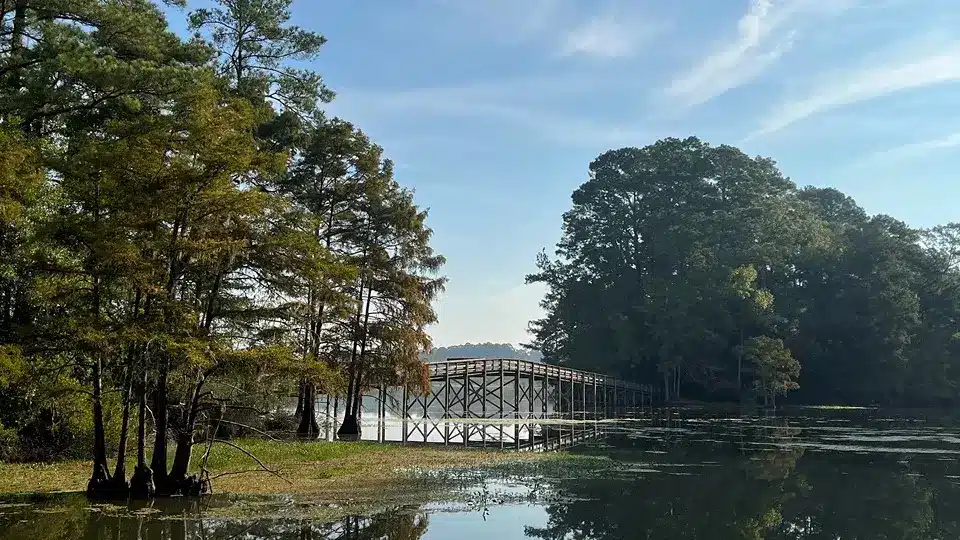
(496, 402)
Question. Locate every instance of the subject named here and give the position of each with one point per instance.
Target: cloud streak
(606, 31)
(765, 33)
(608, 35)
(908, 151)
(912, 69)
(534, 104)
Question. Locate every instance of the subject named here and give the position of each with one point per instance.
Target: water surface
(673, 474)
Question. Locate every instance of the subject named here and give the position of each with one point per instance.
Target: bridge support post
(544, 390)
(381, 414)
(446, 407)
(405, 411)
(483, 404)
(560, 405)
(606, 397)
(596, 398)
(426, 420)
(616, 398)
(500, 384)
(530, 391)
(516, 405)
(464, 427)
(583, 388)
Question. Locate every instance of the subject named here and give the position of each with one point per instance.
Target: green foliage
(9, 444)
(171, 233)
(776, 369)
(255, 48)
(675, 255)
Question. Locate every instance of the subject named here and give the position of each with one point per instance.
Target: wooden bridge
(501, 401)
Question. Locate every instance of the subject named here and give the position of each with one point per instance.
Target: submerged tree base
(190, 486)
(141, 484)
(101, 486)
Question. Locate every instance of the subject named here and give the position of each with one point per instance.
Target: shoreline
(335, 469)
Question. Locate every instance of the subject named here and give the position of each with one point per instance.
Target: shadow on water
(674, 474)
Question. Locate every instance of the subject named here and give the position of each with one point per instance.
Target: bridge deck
(454, 367)
(516, 403)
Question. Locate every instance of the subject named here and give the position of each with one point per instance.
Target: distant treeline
(481, 350)
(710, 272)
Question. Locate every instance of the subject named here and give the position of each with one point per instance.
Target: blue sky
(493, 109)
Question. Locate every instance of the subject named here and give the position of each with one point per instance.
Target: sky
(493, 109)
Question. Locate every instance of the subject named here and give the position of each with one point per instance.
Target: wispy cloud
(605, 30)
(764, 34)
(610, 34)
(907, 151)
(925, 147)
(512, 102)
(911, 67)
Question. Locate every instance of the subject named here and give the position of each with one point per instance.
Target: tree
(671, 258)
(256, 46)
(155, 250)
(326, 182)
(393, 294)
(776, 369)
(751, 305)
(641, 283)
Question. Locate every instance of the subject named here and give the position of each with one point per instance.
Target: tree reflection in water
(71, 517)
(758, 491)
(665, 478)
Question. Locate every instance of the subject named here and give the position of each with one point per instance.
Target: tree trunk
(99, 484)
(179, 481)
(141, 483)
(159, 462)
(358, 397)
(359, 339)
(350, 429)
(17, 40)
(666, 385)
(308, 428)
(120, 470)
(301, 388)
(19, 27)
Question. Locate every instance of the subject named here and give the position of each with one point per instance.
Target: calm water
(681, 474)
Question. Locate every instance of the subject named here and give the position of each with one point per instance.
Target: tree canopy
(709, 271)
(185, 235)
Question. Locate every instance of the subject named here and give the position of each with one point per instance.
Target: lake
(683, 473)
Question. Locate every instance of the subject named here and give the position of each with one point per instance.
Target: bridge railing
(477, 366)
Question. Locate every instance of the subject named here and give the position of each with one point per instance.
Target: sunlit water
(687, 473)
